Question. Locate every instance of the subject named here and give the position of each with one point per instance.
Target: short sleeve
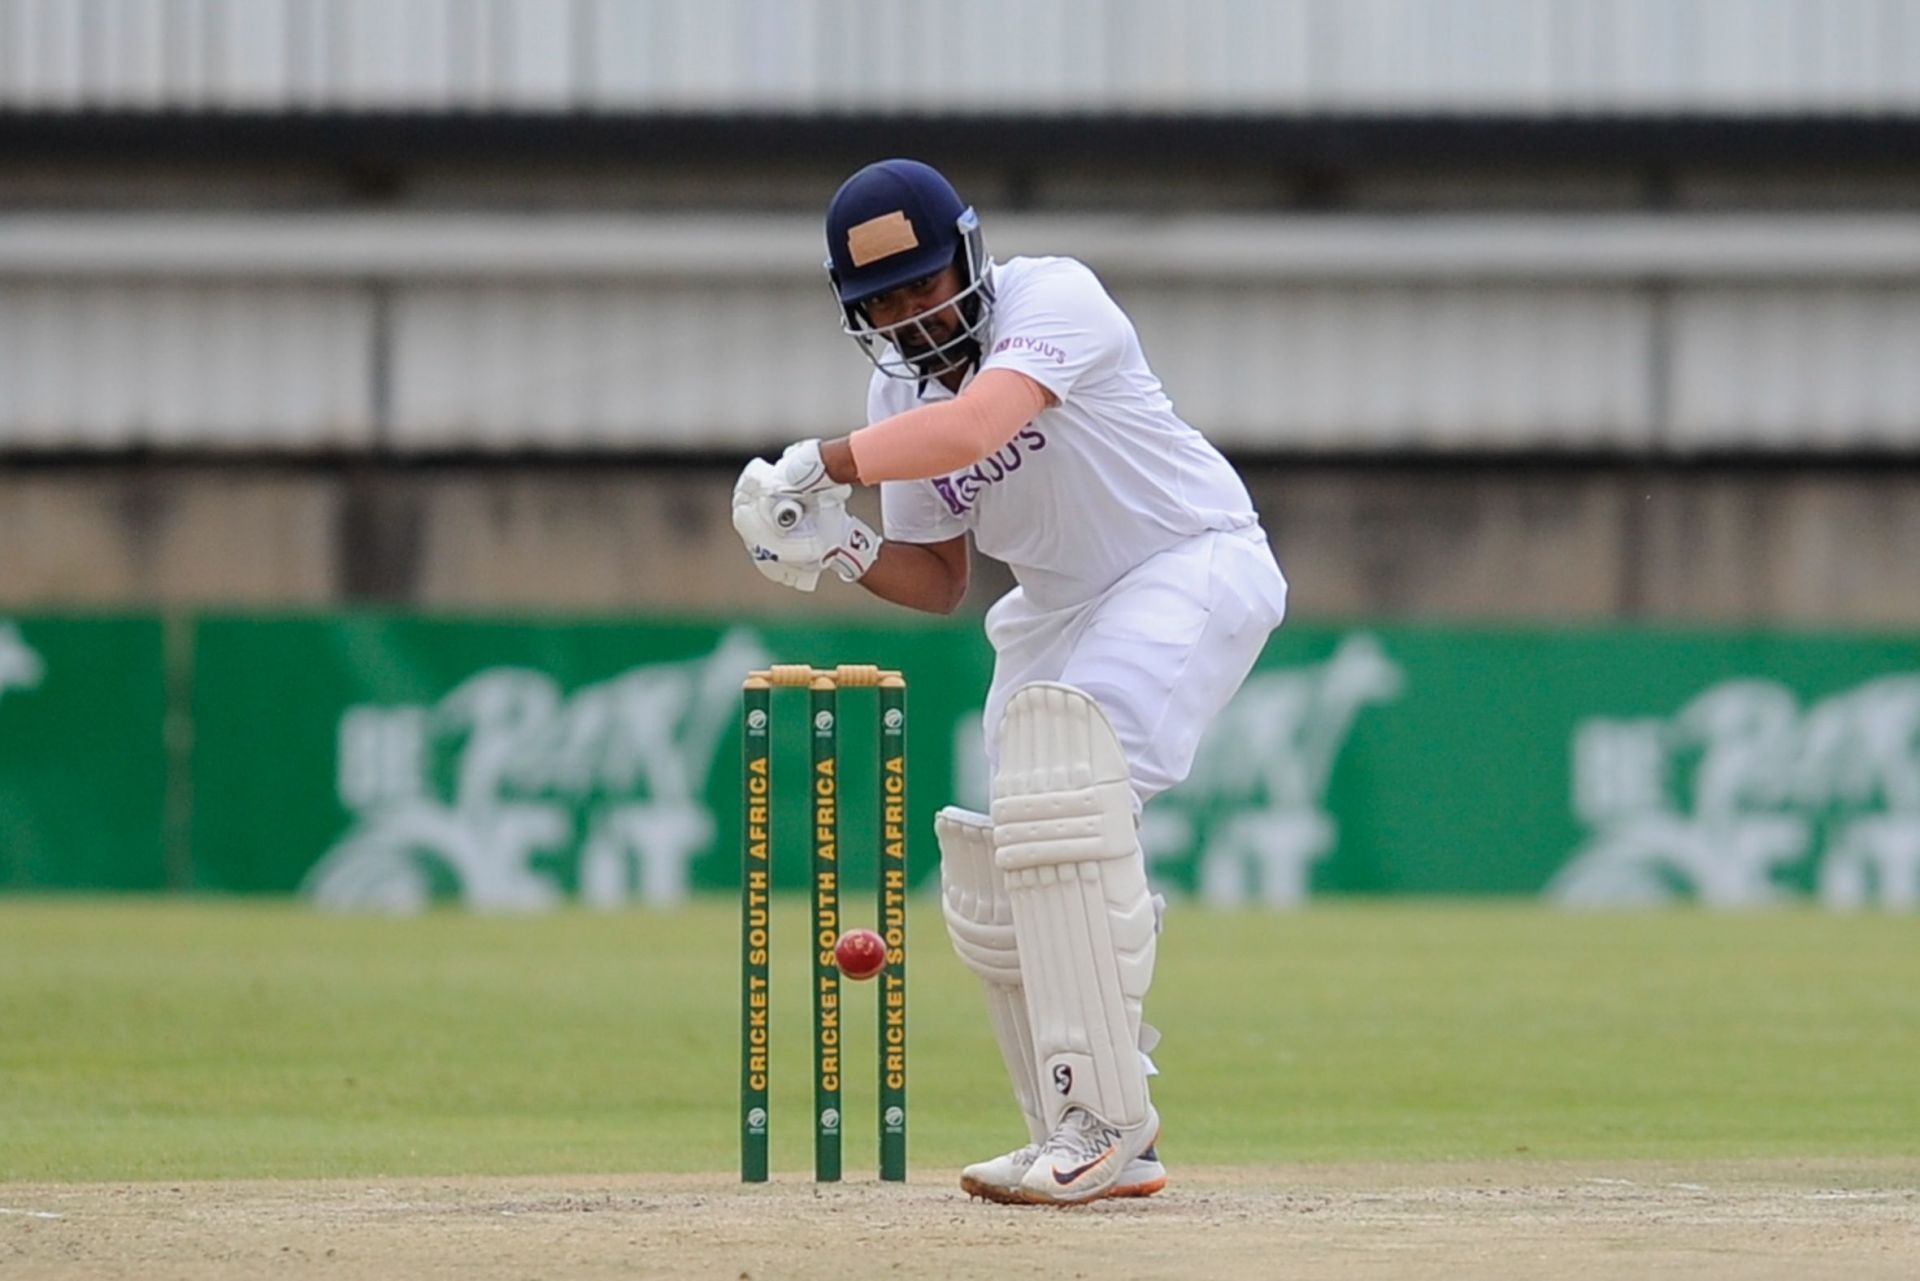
(911, 511)
(879, 387)
(1059, 328)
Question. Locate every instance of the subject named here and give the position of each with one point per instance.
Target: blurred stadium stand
(1538, 308)
(1608, 57)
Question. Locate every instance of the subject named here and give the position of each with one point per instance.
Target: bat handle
(787, 512)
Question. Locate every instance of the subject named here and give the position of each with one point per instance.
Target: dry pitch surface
(1750, 1219)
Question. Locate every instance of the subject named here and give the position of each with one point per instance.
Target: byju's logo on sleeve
(1037, 346)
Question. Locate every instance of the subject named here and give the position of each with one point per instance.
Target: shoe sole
(1019, 1196)
(1125, 1190)
(993, 1192)
(1147, 1188)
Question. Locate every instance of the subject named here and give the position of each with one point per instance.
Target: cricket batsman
(1011, 403)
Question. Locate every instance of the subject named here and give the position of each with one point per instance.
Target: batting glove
(802, 471)
(855, 553)
(782, 535)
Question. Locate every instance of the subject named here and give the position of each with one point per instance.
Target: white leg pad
(1083, 916)
(980, 923)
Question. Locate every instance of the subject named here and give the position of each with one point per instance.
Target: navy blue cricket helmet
(893, 223)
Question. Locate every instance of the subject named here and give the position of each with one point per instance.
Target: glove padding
(787, 536)
(801, 471)
(793, 533)
(791, 487)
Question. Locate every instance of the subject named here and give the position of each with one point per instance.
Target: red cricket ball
(860, 954)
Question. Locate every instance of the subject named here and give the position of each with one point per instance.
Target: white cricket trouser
(1161, 651)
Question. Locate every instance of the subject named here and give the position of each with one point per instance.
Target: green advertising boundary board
(391, 761)
(84, 773)
(368, 761)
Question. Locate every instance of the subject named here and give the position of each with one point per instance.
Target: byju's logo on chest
(962, 489)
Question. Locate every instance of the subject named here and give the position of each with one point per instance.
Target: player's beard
(945, 355)
(932, 364)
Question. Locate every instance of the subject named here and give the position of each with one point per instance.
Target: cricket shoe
(1085, 1159)
(1000, 1179)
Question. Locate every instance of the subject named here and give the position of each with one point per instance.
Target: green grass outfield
(163, 1039)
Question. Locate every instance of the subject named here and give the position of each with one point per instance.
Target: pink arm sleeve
(936, 439)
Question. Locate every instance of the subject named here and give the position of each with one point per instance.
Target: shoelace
(1080, 1138)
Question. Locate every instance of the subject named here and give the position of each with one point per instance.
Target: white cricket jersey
(1090, 488)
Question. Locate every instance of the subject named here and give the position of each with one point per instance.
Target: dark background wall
(1837, 545)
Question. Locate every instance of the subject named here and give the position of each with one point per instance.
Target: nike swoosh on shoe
(1067, 1179)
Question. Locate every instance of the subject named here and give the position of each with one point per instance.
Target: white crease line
(1848, 1196)
(32, 1214)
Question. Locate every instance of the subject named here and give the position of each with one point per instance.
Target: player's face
(924, 299)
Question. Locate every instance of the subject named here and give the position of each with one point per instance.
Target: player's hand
(781, 549)
(801, 471)
(792, 489)
(792, 538)
(803, 474)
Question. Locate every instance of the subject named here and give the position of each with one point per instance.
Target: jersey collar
(930, 390)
